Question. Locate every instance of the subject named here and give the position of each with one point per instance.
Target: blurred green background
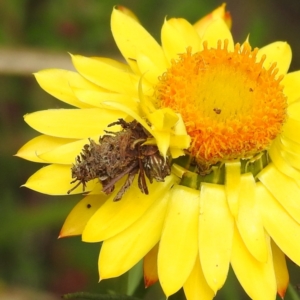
(37, 34)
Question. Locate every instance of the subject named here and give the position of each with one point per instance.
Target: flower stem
(292, 293)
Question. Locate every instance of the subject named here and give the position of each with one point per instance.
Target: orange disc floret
(231, 105)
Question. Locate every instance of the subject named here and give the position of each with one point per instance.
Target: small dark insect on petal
(217, 110)
(119, 154)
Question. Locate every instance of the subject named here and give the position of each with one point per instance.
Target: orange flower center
(231, 105)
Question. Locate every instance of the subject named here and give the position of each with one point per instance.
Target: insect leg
(126, 185)
(114, 180)
(74, 187)
(141, 179)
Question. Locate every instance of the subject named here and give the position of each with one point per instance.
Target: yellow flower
(227, 114)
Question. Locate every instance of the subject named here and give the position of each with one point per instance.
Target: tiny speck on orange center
(231, 105)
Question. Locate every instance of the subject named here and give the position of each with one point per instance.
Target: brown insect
(217, 110)
(119, 154)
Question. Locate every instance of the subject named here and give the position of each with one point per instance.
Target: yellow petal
(106, 75)
(291, 129)
(122, 251)
(218, 13)
(215, 235)
(249, 221)
(40, 144)
(196, 286)
(291, 83)
(96, 98)
(163, 141)
(278, 52)
(127, 110)
(179, 128)
(146, 102)
(113, 63)
(114, 217)
(292, 126)
(67, 153)
(55, 180)
(163, 119)
(175, 153)
(257, 279)
(216, 31)
(283, 188)
(56, 82)
(283, 229)
(280, 268)
(80, 214)
(180, 141)
(292, 158)
(127, 12)
(150, 267)
(149, 69)
(290, 151)
(232, 185)
(132, 39)
(289, 145)
(72, 123)
(176, 36)
(294, 110)
(280, 163)
(178, 247)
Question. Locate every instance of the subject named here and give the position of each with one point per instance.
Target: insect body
(119, 154)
